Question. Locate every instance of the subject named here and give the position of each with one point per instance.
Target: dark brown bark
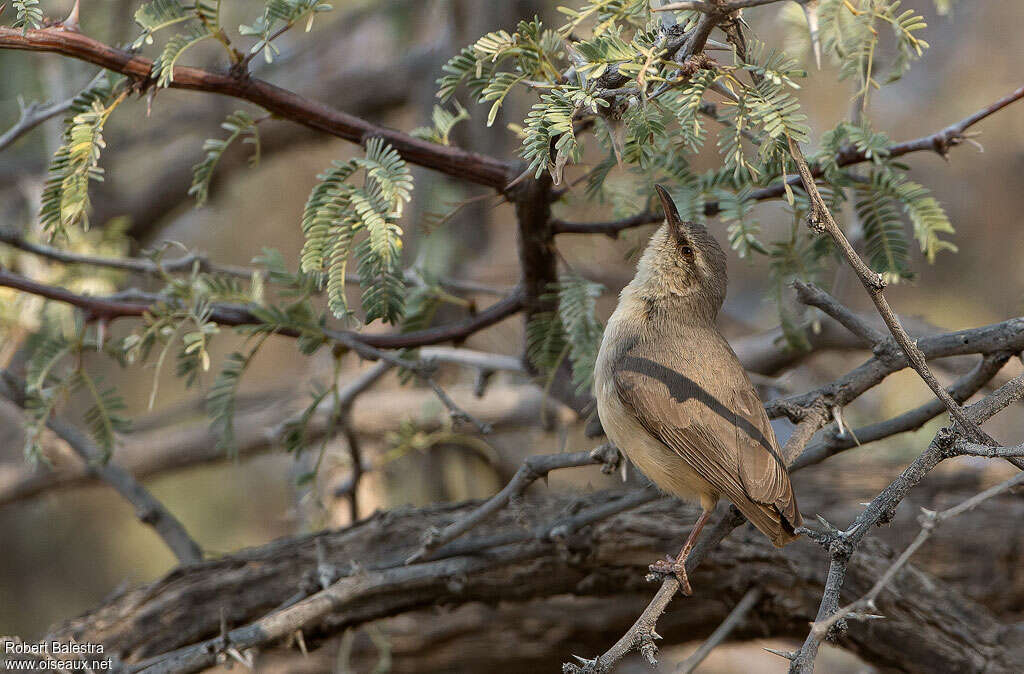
(453, 161)
(929, 625)
(110, 308)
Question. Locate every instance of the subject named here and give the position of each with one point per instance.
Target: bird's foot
(672, 567)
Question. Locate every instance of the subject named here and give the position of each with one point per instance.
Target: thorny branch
(642, 634)
(842, 544)
(929, 521)
(607, 557)
(533, 469)
(723, 631)
(113, 307)
(821, 220)
(537, 228)
(187, 262)
(31, 116)
(812, 412)
(839, 440)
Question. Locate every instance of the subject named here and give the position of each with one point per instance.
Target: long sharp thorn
(810, 8)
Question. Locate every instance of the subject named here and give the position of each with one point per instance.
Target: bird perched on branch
(672, 395)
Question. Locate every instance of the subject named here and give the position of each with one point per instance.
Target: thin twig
(864, 608)
(841, 544)
(812, 295)
(148, 509)
(136, 304)
(962, 389)
(185, 263)
(35, 113)
(139, 265)
(448, 159)
(722, 632)
(31, 116)
(711, 7)
(821, 220)
(533, 469)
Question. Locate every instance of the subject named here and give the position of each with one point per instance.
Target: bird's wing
(762, 470)
(716, 423)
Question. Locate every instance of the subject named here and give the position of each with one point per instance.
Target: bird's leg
(677, 566)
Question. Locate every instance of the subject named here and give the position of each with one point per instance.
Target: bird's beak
(675, 223)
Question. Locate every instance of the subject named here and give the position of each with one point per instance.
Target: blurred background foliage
(66, 550)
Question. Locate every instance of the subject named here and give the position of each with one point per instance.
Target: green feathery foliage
(796, 257)
(849, 31)
(687, 108)
(65, 197)
(929, 219)
(605, 15)
(104, 417)
(443, 122)
(884, 240)
(296, 430)
(201, 21)
(278, 16)
(163, 66)
(874, 145)
(160, 14)
(577, 302)
(550, 140)
(220, 399)
(607, 50)
(337, 212)
(530, 52)
(545, 341)
(736, 209)
(572, 331)
(237, 124)
(30, 14)
(55, 372)
(45, 386)
(645, 133)
(736, 118)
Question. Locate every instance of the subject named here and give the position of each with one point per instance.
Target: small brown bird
(674, 398)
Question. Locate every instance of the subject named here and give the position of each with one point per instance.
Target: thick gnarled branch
(609, 556)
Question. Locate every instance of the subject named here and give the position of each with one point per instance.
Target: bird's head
(683, 262)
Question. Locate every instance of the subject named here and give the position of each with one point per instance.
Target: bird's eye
(687, 251)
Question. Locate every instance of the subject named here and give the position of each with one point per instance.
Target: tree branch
(110, 308)
(606, 558)
(929, 521)
(470, 166)
(533, 469)
(261, 427)
(148, 509)
(963, 388)
(642, 633)
(821, 220)
(940, 142)
(722, 632)
(842, 544)
(31, 116)
(710, 7)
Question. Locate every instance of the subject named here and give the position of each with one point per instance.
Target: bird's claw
(670, 567)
